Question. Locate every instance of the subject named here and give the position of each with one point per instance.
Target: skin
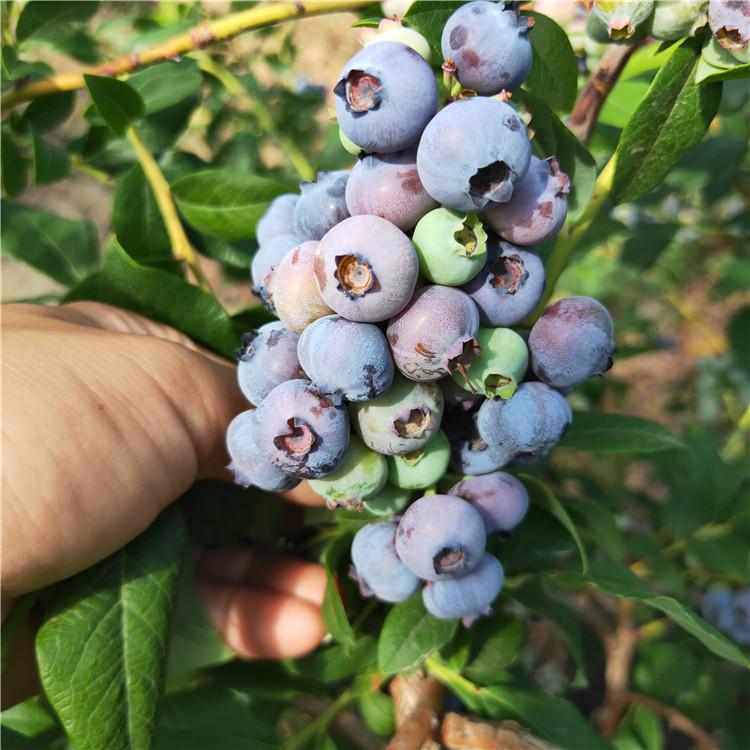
(65, 412)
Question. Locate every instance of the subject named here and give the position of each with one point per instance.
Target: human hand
(109, 417)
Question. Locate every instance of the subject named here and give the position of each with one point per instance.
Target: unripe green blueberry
(500, 367)
(676, 19)
(422, 468)
(390, 501)
(451, 246)
(361, 474)
(623, 18)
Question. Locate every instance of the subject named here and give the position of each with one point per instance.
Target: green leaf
(531, 593)
(541, 496)
(552, 138)
(549, 717)
(719, 64)
(617, 580)
(554, 70)
(602, 524)
(45, 114)
(43, 17)
(337, 661)
(214, 716)
(377, 711)
(102, 646)
(669, 121)
(13, 167)
(603, 432)
(334, 614)
(136, 219)
(50, 162)
(737, 330)
(223, 203)
(167, 83)
(161, 296)
(30, 718)
(428, 17)
(409, 635)
(493, 643)
(117, 102)
(64, 249)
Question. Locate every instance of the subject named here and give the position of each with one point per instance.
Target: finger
(259, 623)
(256, 566)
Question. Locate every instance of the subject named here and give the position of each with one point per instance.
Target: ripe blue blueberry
(470, 454)
(302, 431)
(452, 246)
(346, 359)
(360, 475)
(500, 498)
(467, 597)
(500, 366)
(440, 536)
(422, 468)
(740, 630)
(538, 207)
(375, 564)
(247, 465)
(294, 292)
(472, 153)
(277, 218)
(264, 263)
(572, 341)
(385, 96)
(488, 46)
(400, 421)
(388, 502)
(509, 286)
(366, 269)
(717, 608)
(321, 205)
(267, 358)
(435, 335)
(529, 423)
(387, 185)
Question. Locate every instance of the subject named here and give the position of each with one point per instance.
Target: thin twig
(264, 14)
(320, 723)
(181, 247)
(675, 719)
(591, 99)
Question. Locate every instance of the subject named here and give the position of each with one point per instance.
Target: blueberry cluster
(729, 612)
(397, 286)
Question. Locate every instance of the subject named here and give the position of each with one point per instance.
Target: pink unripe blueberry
(538, 206)
(295, 293)
(500, 498)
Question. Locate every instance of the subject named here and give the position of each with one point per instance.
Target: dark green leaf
(549, 717)
(602, 432)
(737, 331)
(117, 102)
(64, 249)
(13, 68)
(493, 643)
(334, 614)
(531, 594)
(337, 661)
(30, 718)
(45, 114)
(102, 646)
(162, 296)
(235, 256)
(377, 711)
(162, 129)
(554, 70)
(223, 203)
(13, 167)
(43, 17)
(167, 83)
(671, 119)
(552, 138)
(647, 242)
(617, 580)
(428, 17)
(252, 317)
(602, 524)
(213, 716)
(50, 162)
(136, 219)
(409, 635)
(541, 496)
(74, 42)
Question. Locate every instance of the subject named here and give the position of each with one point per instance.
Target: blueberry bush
(518, 552)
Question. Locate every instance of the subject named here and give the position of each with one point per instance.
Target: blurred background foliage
(673, 267)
